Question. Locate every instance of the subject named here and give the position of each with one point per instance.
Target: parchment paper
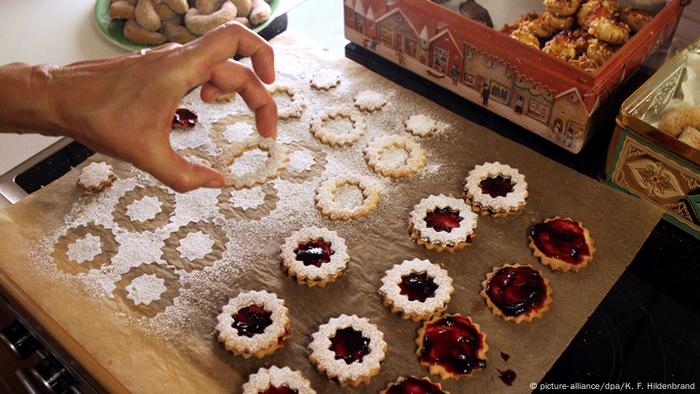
(176, 351)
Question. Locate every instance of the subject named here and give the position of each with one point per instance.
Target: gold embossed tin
(645, 161)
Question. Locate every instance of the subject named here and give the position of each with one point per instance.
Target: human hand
(124, 106)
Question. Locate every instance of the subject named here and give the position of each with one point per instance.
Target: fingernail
(214, 184)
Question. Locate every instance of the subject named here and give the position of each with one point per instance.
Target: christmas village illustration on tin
(451, 56)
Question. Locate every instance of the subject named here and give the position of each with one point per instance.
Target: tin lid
(642, 111)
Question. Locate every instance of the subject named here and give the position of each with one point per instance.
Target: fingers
(230, 76)
(177, 172)
(228, 40)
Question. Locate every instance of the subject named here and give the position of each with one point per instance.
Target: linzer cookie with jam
(417, 289)
(452, 346)
(348, 349)
(413, 385)
(253, 324)
(314, 256)
(495, 189)
(276, 380)
(442, 222)
(517, 292)
(562, 243)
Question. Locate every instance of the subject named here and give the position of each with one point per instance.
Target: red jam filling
(443, 219)
(414, 386)
(508, 376)
(418, 286)
(496, 187)
(279, 390)
(314, 253)
(561, 239)
(454, 343)
(251, 320)
(349, 345)
(184, 119)
(516, 290)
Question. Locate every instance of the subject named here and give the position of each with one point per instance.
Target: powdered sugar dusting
(144, 209)
(84, 249)
(238, 132)
(195, 246)
(249, 162)
(348, 197)
(248, 198)
(145, 289)
(300, 161)
(394, 157)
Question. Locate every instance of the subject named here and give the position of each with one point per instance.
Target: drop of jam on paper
(443, 219)
(562, 239)
(496, 187)
(349, 345)
(280, 390)
(516, 290)
(184, 119)
(414, 386)
(314, 253)
(508, 376)
(417, 286)
(251, 320)
(505, 356)
(454, 343)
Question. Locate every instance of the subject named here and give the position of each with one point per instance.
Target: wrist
(25, 100)
(42, 89)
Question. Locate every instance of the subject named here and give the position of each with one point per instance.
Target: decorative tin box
(548, 96)
(649, 163)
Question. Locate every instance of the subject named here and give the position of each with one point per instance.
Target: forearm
(25, 100)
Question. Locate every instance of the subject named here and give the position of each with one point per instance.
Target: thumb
(178, 173)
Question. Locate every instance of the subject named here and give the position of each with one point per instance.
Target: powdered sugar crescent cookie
(327, 203)
(253, 324)
(296, 102)
(325, 80)
(495, 189)
(370, 101)
(442, 222)
(380, 148)
(277, 380)
(417, 289)
(348, 349)
(413, 385)
(95, 177)
(320, 131)
(562, 243)
(276, 160)
(314, 256)
(516, 292)
(421, 125)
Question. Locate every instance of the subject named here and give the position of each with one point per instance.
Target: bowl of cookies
(138, 24)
